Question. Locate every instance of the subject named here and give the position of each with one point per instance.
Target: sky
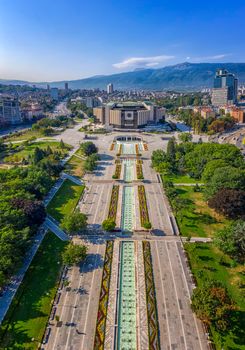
(49, 40)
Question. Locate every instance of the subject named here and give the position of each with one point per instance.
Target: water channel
(126, 331)
(128, 165)
(128, 209)
(129, 147)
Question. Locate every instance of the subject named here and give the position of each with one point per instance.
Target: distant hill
(184, 76)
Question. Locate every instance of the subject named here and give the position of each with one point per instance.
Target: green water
(128, 209)
(126, 336)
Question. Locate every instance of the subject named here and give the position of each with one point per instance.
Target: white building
(109, 88)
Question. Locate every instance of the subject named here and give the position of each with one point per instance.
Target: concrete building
(220, 97)
(225, 88)
(33, 110)
(128, 115)
(205, 112)
(109, 88)
(9, 110)
(238, 114)
(66, 87)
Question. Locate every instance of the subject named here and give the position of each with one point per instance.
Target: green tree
(212, 304)
(185, 137)
(210, 168)
(74, 254)
(108, 224)
(171, 154)
(62, 144)
(226, 177)
(37, 155)
(74, 223)
(147, 225)
(158, 156)
(88, 148)
(231, 240)
(171, 149)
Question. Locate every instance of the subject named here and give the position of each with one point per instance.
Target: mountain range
(184, 76)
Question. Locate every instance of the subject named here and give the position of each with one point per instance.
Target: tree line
(22, 190)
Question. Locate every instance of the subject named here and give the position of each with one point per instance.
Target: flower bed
(153, 326)
(119, 150)
(144, 216)
(137, 149)
(113, 203)
(117, 173)
(104, 298)
(112, 147)
(145, 146)
(139, 170)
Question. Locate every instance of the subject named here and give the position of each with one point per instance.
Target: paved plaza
(77, 305)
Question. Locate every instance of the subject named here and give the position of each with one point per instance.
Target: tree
(226, 177)
(34, 210)
(171, 149)
(108, 224)
(217, 126)
(198, 157)
(171, 154)
(38, 155)
(211, 167)
(74, 254)
(62, 145)
(231, 240)
(158, 156)
(229, 202)
(147, 225)
(74, 223)
(90, 162)
(212, 304)
(185, 137)
(88, 148)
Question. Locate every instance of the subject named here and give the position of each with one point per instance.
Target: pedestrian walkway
(72, 178)
(51, 225)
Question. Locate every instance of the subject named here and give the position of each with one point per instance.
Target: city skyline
(46, 42)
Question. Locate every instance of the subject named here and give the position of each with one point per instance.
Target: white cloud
(214, 57)
(142, 62)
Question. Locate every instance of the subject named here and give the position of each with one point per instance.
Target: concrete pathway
(71, 178)
(52, 226)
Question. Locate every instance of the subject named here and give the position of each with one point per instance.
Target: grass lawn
(24, 135)
(30, 309)
(196, 218)
(180, 179)
(18, 156)
(205, 263)
(75, 166)
(65, 200)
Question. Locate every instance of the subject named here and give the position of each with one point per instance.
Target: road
(78, 304)
(179, 328)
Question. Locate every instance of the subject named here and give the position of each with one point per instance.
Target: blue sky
(45, 40)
